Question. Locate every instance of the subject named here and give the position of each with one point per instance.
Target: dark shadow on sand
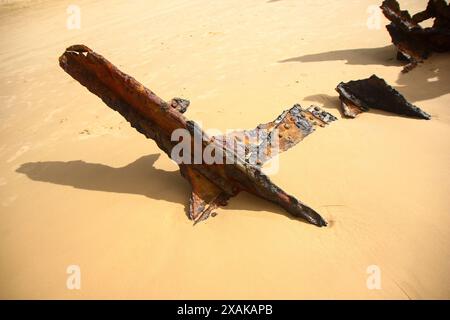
(428, 81)
(366, 56)
(139, 177)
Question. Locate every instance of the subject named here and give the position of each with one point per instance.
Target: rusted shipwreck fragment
(361, 95)
(415, 43)
(215, 183)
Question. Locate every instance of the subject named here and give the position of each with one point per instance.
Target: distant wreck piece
(215, 183)
(361, 95)
(415, 43)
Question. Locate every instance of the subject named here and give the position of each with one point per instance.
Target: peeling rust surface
(361, 95)
(415, 43)
(179, 104)
(291, 127)
(212, 184)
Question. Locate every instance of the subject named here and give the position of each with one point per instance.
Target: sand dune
(78, 186)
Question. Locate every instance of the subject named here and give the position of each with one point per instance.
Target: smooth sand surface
(79, 186)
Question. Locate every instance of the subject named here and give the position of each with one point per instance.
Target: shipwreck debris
(212, 184)
(415, 43)
(361, 95)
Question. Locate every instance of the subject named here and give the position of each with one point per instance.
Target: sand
(79, 186)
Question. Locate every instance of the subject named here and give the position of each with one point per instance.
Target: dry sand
(78, 186)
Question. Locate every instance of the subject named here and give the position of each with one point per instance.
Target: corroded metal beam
(215, 183)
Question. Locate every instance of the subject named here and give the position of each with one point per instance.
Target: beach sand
(79, 186)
